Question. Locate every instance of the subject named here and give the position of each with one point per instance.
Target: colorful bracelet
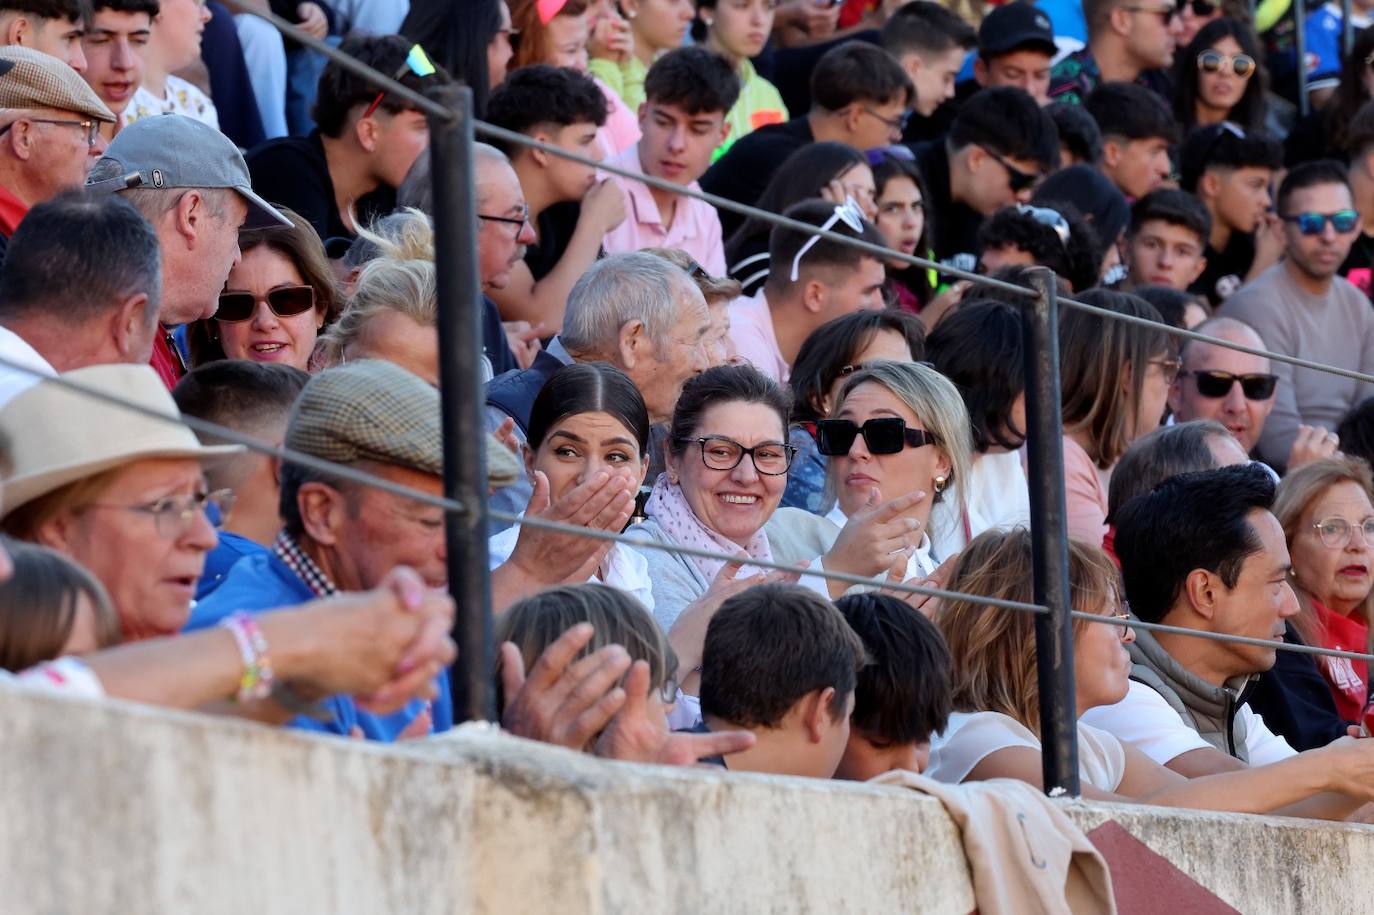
(256, 682)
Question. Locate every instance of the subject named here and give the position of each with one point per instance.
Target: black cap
(1015, 26)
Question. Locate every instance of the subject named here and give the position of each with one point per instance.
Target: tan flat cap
(32, 79)
(373, 410)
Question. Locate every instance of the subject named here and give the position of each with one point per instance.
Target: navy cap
(1015, 26)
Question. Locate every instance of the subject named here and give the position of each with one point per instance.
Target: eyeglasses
(1315, 223)
(285, 302)
(771, 459)
(883, 435)
(848, 213)
(1201, 8)
(1018, 179)
(1242, 65)
(92, 128)
(1168, 367)
(898, 123)
(1256, 386)
(510, 220)
(1167, 14)
(1337, 532)
(1124, 615)
(174, 515)
(1049, 218)
(417, 62)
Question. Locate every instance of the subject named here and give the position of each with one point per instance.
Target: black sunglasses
(1199, 7)
(1257, 386)
(1018, 179)
(885, 435)
(285, 302)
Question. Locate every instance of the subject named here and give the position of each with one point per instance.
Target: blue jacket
(260, 582)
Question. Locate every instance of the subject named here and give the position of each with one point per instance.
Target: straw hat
(51, 435)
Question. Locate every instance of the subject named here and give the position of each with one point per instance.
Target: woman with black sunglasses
(1219, 77)
(277, 299)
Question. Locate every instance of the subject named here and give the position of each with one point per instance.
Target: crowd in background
(204, 219)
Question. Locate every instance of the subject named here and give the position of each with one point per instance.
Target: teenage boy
(930, 42)
(1231, 171)
(999, 146)
(688, 93)
(811, 280)
(1359, 142)
(780, 661)
(1166, 242)
(345, 172)
(113, 45)
(1128, 41)
(859, 95)
(569, 209)
(1015, 47)
(174, 45)
(1137, 131)
(52, 26)
(902, 696)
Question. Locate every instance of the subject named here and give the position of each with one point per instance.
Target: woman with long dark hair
(1322, 134)
(470, 40)
(901, 201)
(1220, 76)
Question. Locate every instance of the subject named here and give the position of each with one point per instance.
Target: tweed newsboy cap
(32, 79)
(373, 410)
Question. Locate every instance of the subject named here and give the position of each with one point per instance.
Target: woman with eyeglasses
(276, 301)
(1115, 380)
(1328, 520)
(833, 352)
(1220, 76)
(901, 216)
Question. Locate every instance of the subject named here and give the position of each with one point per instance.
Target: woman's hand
(924, 603)
(611, 38)
(877, 531)
(604, 502)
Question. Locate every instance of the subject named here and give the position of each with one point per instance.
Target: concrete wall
(126, 809)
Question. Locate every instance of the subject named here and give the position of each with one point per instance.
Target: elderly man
(339, 536)
(49, 131)
(190, 182)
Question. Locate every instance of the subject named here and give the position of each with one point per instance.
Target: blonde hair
(1299, 490)
(27, 520)
(937, 405)
(993, 649)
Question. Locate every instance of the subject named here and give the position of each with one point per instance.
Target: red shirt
(12, 209)
(167, 361)
(1349, 680)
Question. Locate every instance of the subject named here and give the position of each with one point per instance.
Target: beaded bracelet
(256, 682)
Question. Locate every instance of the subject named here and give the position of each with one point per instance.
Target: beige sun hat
(51, 435)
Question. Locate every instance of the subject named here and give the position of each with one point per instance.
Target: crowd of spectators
(200, 219)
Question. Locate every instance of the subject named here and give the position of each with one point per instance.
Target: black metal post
(1050, 539)
(1347, 28)
(1300, 37)
(460, 389)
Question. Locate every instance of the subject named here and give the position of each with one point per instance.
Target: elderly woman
(121, 493)
(275, 302)
(392, 315)
(1328, 520)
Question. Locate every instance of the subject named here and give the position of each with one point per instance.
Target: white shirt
(969, 738)
(65, 675)
(623, 568)
(996, 496)
(180, 97)
(13, 382)
(922, 562)
(1146, 721)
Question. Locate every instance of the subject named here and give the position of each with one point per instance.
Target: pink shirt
(751, 330)
(621, 130)
(695, 228)
(1085, 496)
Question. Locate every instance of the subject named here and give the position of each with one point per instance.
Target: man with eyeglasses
(1129, 41)
(49, 131)
(1302, 308)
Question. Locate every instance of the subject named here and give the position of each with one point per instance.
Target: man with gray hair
(190, 182)
(80, 287)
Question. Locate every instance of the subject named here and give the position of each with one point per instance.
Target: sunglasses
(1257, 386)
(1050, 219)
(885, 435)
(848, 213)
(285, 302)
(1018, 179)
(1315, 223)
(1166, 13)
(1199, 7)
(1241, 65)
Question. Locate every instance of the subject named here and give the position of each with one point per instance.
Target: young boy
(688, 92)
(1231, 172)
(52, 26)
(349, 167)
(780, 661)
(569, 209)
(1167, 240)
(930, 43)
(902, 696)
(175, 44)
(113, 46)
(1137, 131)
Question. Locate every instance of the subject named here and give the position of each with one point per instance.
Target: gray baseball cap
(172, 151)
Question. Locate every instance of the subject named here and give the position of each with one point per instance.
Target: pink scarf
(669, 507)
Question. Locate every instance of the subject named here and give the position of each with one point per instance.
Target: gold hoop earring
(940, 483)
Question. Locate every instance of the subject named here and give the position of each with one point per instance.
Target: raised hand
(874, 535)
(562, 702)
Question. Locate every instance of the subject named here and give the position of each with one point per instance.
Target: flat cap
(373, 410)
(32, 79)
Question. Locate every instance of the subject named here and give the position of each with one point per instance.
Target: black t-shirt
(556, 227)
(744, 171)
(952, 227)
(293, 172)
(934, 127)
(1359, 263)
(1226, 270)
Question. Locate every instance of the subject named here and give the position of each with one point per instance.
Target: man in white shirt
(81, 286)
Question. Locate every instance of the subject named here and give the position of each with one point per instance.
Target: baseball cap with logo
(173, 151)
(32, 79)
(1013, 27)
